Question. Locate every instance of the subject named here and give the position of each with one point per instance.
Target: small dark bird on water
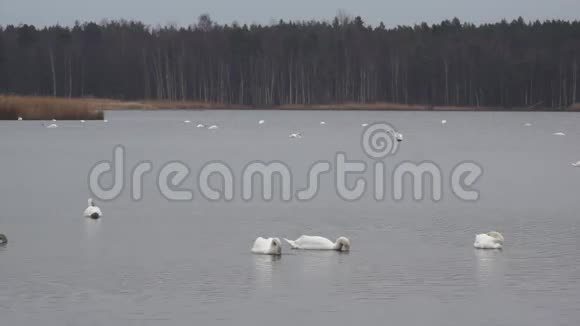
(3, 239)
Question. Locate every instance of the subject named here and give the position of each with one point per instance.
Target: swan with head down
(489, 240)
(308, 242)
(269, 246)
(93, 211)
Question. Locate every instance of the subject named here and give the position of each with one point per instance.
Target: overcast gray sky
(184, 12)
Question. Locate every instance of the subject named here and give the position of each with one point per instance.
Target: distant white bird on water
(105, 120)
(212, 127)
(52, 126)
(489, 240)
(443, 122)
(576, 164)
(365, 125)
(92, 211)
(295, 135)
(200, 126)
(186, 121)
(270, 246)
(308, 242)
(322, 122)
(83, 121)
(558, 134)
(261, 122)
(19, 118)
(527, 124)
(398, 136)
(53, 120)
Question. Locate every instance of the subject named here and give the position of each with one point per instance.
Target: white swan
(398, 136)
(270, 246)
(53, 120)
(200, 125)
(83, 121)
(308, 242)
(364, 125)
(322, 122)
(93, 211)
(576, 164)
(489, 240)
(212, 127)
(443, 122)
(295, 135)
(105, 120)
(186, 121)
(261, 122)
(52, 126)
(527, 124)
(558, 134)
(19, 118)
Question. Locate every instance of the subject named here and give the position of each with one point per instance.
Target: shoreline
(43, 108)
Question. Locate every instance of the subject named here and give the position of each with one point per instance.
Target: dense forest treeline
(506, 64)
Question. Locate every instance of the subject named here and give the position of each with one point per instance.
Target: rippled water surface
(156, 262)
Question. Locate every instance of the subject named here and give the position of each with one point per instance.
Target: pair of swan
(489, 240)
(201, 125)
(3, 239)
(93, 211)
(273, 246)
(297, 135)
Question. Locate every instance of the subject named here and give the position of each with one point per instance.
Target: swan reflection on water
(92, 228)
(264, 266)
(489, 264)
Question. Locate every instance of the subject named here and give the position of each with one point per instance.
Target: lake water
(159, 262)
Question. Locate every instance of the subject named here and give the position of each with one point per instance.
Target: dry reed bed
(46, 108)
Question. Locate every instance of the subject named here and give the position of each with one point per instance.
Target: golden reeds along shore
(13, 107)
(47, 108)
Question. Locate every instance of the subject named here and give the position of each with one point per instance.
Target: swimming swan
(3, 239)
(296, 135)
(558, 134)
(576, 164)
(489, 240)
(270, 246)
(307, 242)
(93, 211)
(398, 136)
